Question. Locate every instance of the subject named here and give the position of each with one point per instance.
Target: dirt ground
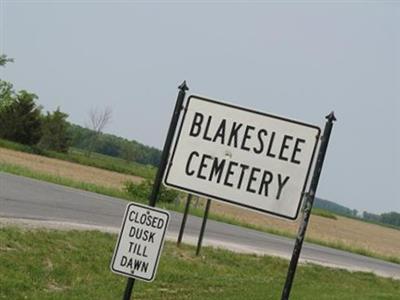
(65, 169)
(378, 239)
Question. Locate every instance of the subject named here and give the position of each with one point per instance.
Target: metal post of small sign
(309, 201)
(203, 227)
(184, 218)
(161, 168)
(128, 289)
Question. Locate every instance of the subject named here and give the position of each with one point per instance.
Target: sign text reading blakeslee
(244, 157)
(240, 136)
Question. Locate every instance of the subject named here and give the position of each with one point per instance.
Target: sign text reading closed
(140, 242)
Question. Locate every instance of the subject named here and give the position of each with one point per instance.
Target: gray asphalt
(26, 198)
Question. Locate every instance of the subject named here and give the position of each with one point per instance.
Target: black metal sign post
(161, 169)
(184, 218)
(309, 201)
(203, 226)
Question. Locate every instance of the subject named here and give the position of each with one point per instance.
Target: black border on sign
(120, 236)
(231, 201)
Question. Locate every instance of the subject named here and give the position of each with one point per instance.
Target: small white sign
(244, 157)
(140, 242)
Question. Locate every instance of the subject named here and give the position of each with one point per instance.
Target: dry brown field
(353, 233)
(374, 238)
(66, 169)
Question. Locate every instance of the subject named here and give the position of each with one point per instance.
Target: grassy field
(118, 165)
(91, 187)
(381, 242)
(325, 228)
(94, 160)
(66, 169)
(43, 264)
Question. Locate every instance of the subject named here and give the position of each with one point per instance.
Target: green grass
(112, 192)
(357, 250)
(26, 172)
(94, 160)
(106, 162)
(323, 213)
(18, 147)
(132, 168)
(44, 264)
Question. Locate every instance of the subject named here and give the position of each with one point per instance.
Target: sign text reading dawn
(243, 157)
(140, 242)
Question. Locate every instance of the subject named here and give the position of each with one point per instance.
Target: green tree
(114, 146)
(392, 218)
(20, 119)
(98, 120)
(55, 134)
(371, 216)
(4, 59)
(143, 189)
(7, 93)
(128, 152)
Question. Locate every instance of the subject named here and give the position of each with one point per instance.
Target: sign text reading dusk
(140, 241)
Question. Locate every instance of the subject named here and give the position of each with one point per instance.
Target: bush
(323, 213)
(143, 189)
(54, 132)
(20, 119)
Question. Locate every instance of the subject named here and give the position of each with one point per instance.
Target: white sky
(299, 59)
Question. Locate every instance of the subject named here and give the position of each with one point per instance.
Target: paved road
(32, 199)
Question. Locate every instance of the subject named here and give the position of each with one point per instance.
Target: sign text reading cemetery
(140, 242)
(244, 157)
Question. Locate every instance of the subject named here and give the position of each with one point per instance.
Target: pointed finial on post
(183, 86)
(331, 117)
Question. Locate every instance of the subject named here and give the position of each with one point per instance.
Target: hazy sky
(291, 58)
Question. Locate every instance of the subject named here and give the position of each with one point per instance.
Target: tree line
(112, 145)
(334, 207)
(22, 120)
(389, 218)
